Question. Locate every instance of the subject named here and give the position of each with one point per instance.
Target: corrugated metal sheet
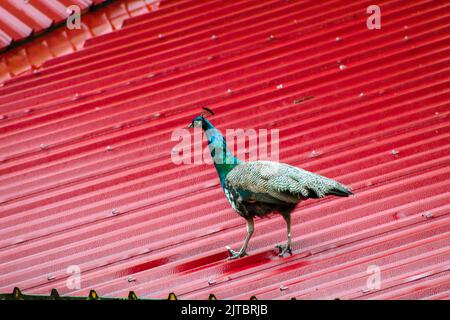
(87, 178)
(21, 19)
(54, 295)
(32, 54)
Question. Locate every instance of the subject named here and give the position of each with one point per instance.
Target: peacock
(259, 188)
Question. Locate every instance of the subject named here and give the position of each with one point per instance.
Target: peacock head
(200, 121)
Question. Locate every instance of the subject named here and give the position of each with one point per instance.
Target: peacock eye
(197, 124)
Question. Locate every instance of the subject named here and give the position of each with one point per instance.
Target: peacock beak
(190, 126)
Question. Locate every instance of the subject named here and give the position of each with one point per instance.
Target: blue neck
(224, 160)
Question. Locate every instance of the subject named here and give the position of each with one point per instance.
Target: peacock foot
(283, 249)
(235, 254)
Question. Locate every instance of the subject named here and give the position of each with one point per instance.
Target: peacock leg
(242, 252)
(287, 247)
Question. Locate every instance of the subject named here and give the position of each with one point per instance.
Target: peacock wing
(282, 181)
(264, 181)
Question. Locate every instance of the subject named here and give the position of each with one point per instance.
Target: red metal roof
(60, 41)
(86, 176)
(20, 19)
